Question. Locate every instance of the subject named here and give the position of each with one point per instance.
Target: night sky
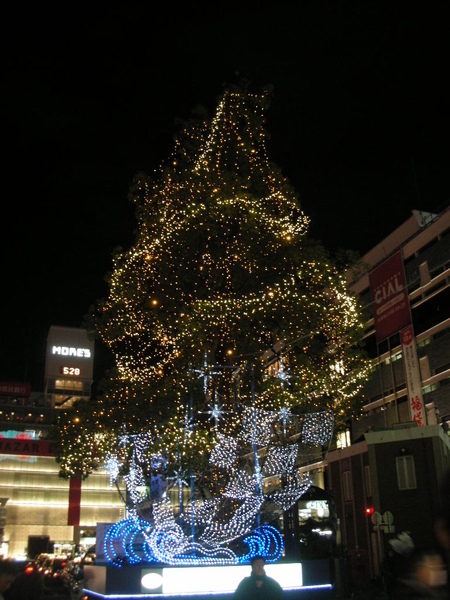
(359, 124)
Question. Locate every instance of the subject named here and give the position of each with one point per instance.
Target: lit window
(343, 439)
(429, 388)
(423, 342)
(393, 357)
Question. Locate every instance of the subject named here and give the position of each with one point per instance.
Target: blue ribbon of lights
(133, 541)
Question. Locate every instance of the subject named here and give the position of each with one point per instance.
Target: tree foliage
(221, 279)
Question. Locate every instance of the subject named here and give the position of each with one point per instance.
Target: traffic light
(369, 511)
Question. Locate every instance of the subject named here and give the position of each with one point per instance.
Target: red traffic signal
(369, 511)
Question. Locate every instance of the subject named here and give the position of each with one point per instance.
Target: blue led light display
(133, 541)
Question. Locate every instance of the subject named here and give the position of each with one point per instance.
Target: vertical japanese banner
(413, 379)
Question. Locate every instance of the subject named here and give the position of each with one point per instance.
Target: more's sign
(71, 351)
(70, 354)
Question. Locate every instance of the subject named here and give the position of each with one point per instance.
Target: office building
(385, 473)
(35, 503)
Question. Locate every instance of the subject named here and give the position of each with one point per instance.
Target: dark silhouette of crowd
(18, 584)
(414, 572)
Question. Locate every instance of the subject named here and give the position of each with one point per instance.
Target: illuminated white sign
(152, 581)
(204, 580)
(70, 354)
(73, 371)
(68, 351)
(317, 504)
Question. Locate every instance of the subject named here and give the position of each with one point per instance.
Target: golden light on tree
(220, 272)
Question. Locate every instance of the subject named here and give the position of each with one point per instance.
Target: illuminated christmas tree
(221, 315)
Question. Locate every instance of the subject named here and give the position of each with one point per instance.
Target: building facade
(36, 503)
(386, 481)
(424, 243)
(386, 462)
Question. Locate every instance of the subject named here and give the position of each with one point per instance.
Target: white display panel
(200, 580)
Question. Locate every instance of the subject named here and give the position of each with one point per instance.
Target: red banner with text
(413, 379)
(390, 297)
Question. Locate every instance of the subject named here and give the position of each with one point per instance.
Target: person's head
(258, 563)
(7, 574)
(428, 567)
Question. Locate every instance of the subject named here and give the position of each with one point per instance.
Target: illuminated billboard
(70, 354)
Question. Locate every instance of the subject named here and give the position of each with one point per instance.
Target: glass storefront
(36, 500)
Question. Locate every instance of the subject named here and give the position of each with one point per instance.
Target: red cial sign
(390, 297)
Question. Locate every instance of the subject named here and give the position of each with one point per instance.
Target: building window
(367, 481)
(347, 485)
(394, 357)
(424, 273)
(422, 343)
(343, 439)
(429, 388)
(441, 333)
(406, 473)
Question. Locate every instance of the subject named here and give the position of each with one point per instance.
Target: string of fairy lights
(220, 271)
(134, 541)
(198, 532)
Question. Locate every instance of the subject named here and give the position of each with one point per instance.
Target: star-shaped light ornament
(179, 479)
(216, 412)
(285, 416)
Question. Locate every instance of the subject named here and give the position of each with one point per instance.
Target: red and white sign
(413, 379)
(390, 297)
(26, 447)
(8, 388)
